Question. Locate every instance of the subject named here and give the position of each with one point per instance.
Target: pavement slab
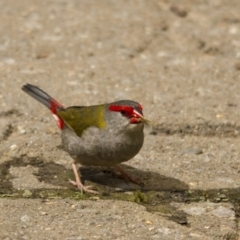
(180, 60)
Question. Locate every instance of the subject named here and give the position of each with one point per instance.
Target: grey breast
(103, 147)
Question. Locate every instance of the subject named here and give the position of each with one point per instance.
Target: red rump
(53, 108)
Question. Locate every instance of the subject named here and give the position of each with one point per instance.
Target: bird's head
(128, 113)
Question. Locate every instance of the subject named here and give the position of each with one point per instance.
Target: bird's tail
(46, 100)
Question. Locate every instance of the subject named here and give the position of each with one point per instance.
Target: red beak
(136, 117)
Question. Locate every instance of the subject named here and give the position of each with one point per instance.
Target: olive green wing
(81, 118)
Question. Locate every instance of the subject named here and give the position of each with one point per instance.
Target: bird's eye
(124, 110)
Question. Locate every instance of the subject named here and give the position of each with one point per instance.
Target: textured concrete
(180, 59)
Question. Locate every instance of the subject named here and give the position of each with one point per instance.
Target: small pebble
(195, 211)
(164, 230)
(129, 193)
(179, 11)
(223, 212)
(21, 130)
(196, 151)
(27, 193)
(25, 218)
(148, 222)
(13, 147)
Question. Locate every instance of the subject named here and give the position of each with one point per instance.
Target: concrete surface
(180, 59)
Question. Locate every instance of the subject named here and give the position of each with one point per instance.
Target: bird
(98, 135)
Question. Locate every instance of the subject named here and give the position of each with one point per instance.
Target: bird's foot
(80, 186)
(127, 177)
(78, 182)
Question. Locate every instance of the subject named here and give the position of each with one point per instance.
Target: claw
(82, 187)
(78, 182)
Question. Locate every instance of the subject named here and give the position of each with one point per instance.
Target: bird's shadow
(58, 175)
(107, 178)
(152, 181)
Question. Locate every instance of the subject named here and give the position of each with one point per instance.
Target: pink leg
(126, 176)
(78, 182)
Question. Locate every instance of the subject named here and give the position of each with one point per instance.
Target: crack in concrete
(202, 129)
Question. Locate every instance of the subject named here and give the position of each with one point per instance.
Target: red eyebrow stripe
(116, 108)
